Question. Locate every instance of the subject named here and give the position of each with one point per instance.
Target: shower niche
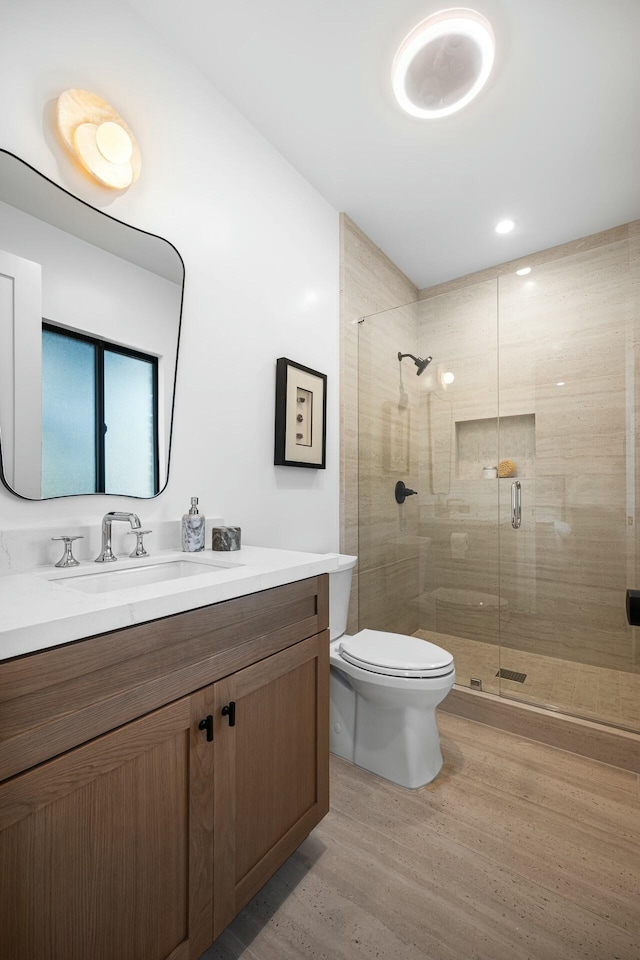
(482, 443)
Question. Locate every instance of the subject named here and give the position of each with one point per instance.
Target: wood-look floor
(517, 851)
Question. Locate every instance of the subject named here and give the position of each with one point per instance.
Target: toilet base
(389, 730)
(410, 756)
(402, 746)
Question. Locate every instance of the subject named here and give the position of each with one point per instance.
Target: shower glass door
(459, 502)
(568, 334)
(430, 566)
(391, 546)
(521, 576)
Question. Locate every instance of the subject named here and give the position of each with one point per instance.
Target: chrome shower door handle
(516, 505)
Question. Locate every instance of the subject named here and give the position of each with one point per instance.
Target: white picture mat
(294, 451)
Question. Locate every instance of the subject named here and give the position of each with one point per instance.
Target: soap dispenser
(193, 529)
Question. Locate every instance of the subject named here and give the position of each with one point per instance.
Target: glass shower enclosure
(519, 438)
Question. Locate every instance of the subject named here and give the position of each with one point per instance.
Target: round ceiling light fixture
(99, 138)
(443, 63)
(505, 226)
(523, 271)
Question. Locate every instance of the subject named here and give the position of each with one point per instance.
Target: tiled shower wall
(460, 574)
(369, 283)
(569, 389)
(389, 435)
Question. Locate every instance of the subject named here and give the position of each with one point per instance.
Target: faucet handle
(139, 550)
(67, 559)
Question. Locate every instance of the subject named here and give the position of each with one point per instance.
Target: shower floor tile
(596, 693)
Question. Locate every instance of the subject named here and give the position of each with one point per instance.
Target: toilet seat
(396, 655)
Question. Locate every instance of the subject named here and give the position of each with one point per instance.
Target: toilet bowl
(385, 688)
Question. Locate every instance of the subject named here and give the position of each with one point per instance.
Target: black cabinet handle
(230, 711)
(207, 724)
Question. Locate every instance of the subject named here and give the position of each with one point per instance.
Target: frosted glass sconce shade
(99, 138)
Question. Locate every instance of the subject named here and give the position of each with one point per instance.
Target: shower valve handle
(403, 492)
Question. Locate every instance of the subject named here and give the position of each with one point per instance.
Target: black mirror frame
(175, 379)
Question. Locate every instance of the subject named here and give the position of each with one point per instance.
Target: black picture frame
(286, 372)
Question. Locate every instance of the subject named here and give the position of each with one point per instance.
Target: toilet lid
(396, 654)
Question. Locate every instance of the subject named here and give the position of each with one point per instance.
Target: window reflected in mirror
(99, 417)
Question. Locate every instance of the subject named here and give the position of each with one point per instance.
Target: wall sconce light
(99, 138)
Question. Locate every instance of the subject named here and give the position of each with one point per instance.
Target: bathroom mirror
(90, 312)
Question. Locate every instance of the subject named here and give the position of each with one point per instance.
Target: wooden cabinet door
(271, 768)
(95, 846)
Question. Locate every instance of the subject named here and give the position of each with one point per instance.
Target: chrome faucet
(106, 555)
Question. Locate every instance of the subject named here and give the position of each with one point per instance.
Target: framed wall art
(301, 416)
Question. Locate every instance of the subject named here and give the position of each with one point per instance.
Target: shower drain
(511, 675)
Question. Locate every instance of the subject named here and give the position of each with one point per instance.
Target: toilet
(385, 688)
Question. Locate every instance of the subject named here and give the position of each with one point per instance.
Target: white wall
(260, 248)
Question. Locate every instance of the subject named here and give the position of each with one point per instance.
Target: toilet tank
(339, 593)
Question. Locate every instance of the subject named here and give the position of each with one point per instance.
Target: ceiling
(553, 140)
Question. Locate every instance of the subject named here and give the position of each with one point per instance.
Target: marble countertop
(39, 610)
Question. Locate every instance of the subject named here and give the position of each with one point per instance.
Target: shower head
(419, 362)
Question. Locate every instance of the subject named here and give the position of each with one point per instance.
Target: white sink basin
(124, 579)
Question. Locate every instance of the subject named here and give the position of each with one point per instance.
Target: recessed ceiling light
(523, 271)
(505, 226)
(560, 383)
(448, 377)
(443, 63)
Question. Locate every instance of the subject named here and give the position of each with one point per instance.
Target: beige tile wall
(562, 577)
(389, 426)
(458, 508)
(370, 283)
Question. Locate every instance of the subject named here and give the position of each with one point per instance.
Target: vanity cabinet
(271, 769)
(144, 839)
(94, 847)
